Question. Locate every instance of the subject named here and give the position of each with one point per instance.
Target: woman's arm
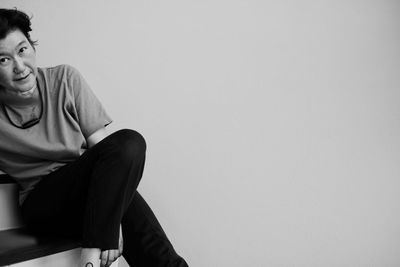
(97, 137)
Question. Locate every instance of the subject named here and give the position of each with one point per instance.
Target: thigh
(59, 198)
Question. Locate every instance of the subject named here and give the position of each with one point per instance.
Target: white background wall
(273, 127)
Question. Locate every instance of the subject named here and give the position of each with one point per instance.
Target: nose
(19, 65)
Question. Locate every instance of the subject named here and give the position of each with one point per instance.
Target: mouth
(23, 78)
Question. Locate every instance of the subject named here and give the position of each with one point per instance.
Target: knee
(129, 143)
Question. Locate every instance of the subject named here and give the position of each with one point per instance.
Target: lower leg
(145, 242)
(114, 179)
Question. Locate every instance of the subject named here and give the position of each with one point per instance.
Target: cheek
(4, 78)
(32, 62)
(32, 58)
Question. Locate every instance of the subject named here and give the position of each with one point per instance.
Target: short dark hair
(13, 19)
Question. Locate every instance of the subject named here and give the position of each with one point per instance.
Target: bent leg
(89, 196)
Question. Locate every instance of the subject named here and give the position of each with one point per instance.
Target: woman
(75, 179)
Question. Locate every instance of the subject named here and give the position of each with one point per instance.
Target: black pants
(90, 197)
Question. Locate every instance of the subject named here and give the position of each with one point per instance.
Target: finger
(121, 241)
(109, 259)
(103, 258)
(116, 255)
(121, 248)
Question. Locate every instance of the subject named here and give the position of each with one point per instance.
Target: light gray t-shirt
(71, 113)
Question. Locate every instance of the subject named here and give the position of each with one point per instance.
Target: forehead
(12, 40)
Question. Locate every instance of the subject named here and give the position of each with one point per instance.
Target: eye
(23, 50)
(4, 60)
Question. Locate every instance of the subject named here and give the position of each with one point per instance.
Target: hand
(107, 257)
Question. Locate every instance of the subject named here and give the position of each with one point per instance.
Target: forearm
(97, 137)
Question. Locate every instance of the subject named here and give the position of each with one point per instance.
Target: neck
(27, 98)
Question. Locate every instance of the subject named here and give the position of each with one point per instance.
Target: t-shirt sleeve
(91, 114)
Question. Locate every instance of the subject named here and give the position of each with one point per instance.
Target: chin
(28, 85)
(25, 91)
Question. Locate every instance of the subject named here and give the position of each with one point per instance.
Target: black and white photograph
(241, 133)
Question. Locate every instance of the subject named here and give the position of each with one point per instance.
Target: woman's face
(18, 68)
